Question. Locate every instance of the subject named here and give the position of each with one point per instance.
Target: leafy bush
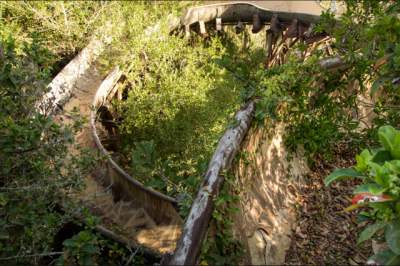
(177, 109)
(297, 94)
(379, 170)
(36, 173)
(320, 107)
(182, 97)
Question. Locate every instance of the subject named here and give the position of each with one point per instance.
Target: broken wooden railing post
(202, 27)
(195, 228)
(257, 24)
(218, 24)
(239, 27)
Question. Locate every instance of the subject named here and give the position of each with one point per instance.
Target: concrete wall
(267, 180)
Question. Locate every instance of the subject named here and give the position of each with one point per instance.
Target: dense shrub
(183, 94)
(36, 175)
(378, 193)
(177, 109)
(322, 108)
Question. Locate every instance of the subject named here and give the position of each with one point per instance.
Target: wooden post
(257, 24)
(239, 27)
(202, 27)
(218, 24)
(195, 228)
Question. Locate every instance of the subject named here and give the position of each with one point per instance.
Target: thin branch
(32, 255)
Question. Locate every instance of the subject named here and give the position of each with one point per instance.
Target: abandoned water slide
(148, 218)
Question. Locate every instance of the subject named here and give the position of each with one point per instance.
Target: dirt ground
(325, 234)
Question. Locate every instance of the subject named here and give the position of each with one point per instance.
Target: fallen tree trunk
(194, 231)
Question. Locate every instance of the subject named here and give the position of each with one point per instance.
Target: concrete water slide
(148, 217)
(232, 11)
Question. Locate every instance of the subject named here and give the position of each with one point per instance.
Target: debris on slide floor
(324, 232)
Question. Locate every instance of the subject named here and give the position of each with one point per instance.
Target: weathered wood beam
(202, 27)
(239, 27)
(268, 45)
(218, 24)
(257, 24)
(189, 246)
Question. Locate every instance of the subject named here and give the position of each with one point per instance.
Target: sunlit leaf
(373, 188)
(340, 174)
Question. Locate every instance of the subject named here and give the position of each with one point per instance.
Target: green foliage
(143, 157)
(84, 246)
(88, 247)
(221, 247)
(389, 137)
(380, 191)
(182, 97)
(369, 232)
(386, 257)
(315, 118)
(372, 32)
(63, 27)
(33, 153)
(319, 106)
(180, 102)
(339, 174)
(37, 40)
(36, 173)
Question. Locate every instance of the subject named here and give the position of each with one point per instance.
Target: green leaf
(69, 243)
(60, 261)
(373, 188)
(89, 248)
(340, 174)
(382, 156)
(392, 236)
(386, 136)
(369, 232)
(396, 146)
(386, 257)
(362, 160)
(363, 217)
(393, 166)
(378, 172)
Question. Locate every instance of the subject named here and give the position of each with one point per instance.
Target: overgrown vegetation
(379, 171)
(323, 110)
(37, 175)
(33, 147)
(371, 36)
(323, 107)
(37, 40)
(178, 108)
(182, 97)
